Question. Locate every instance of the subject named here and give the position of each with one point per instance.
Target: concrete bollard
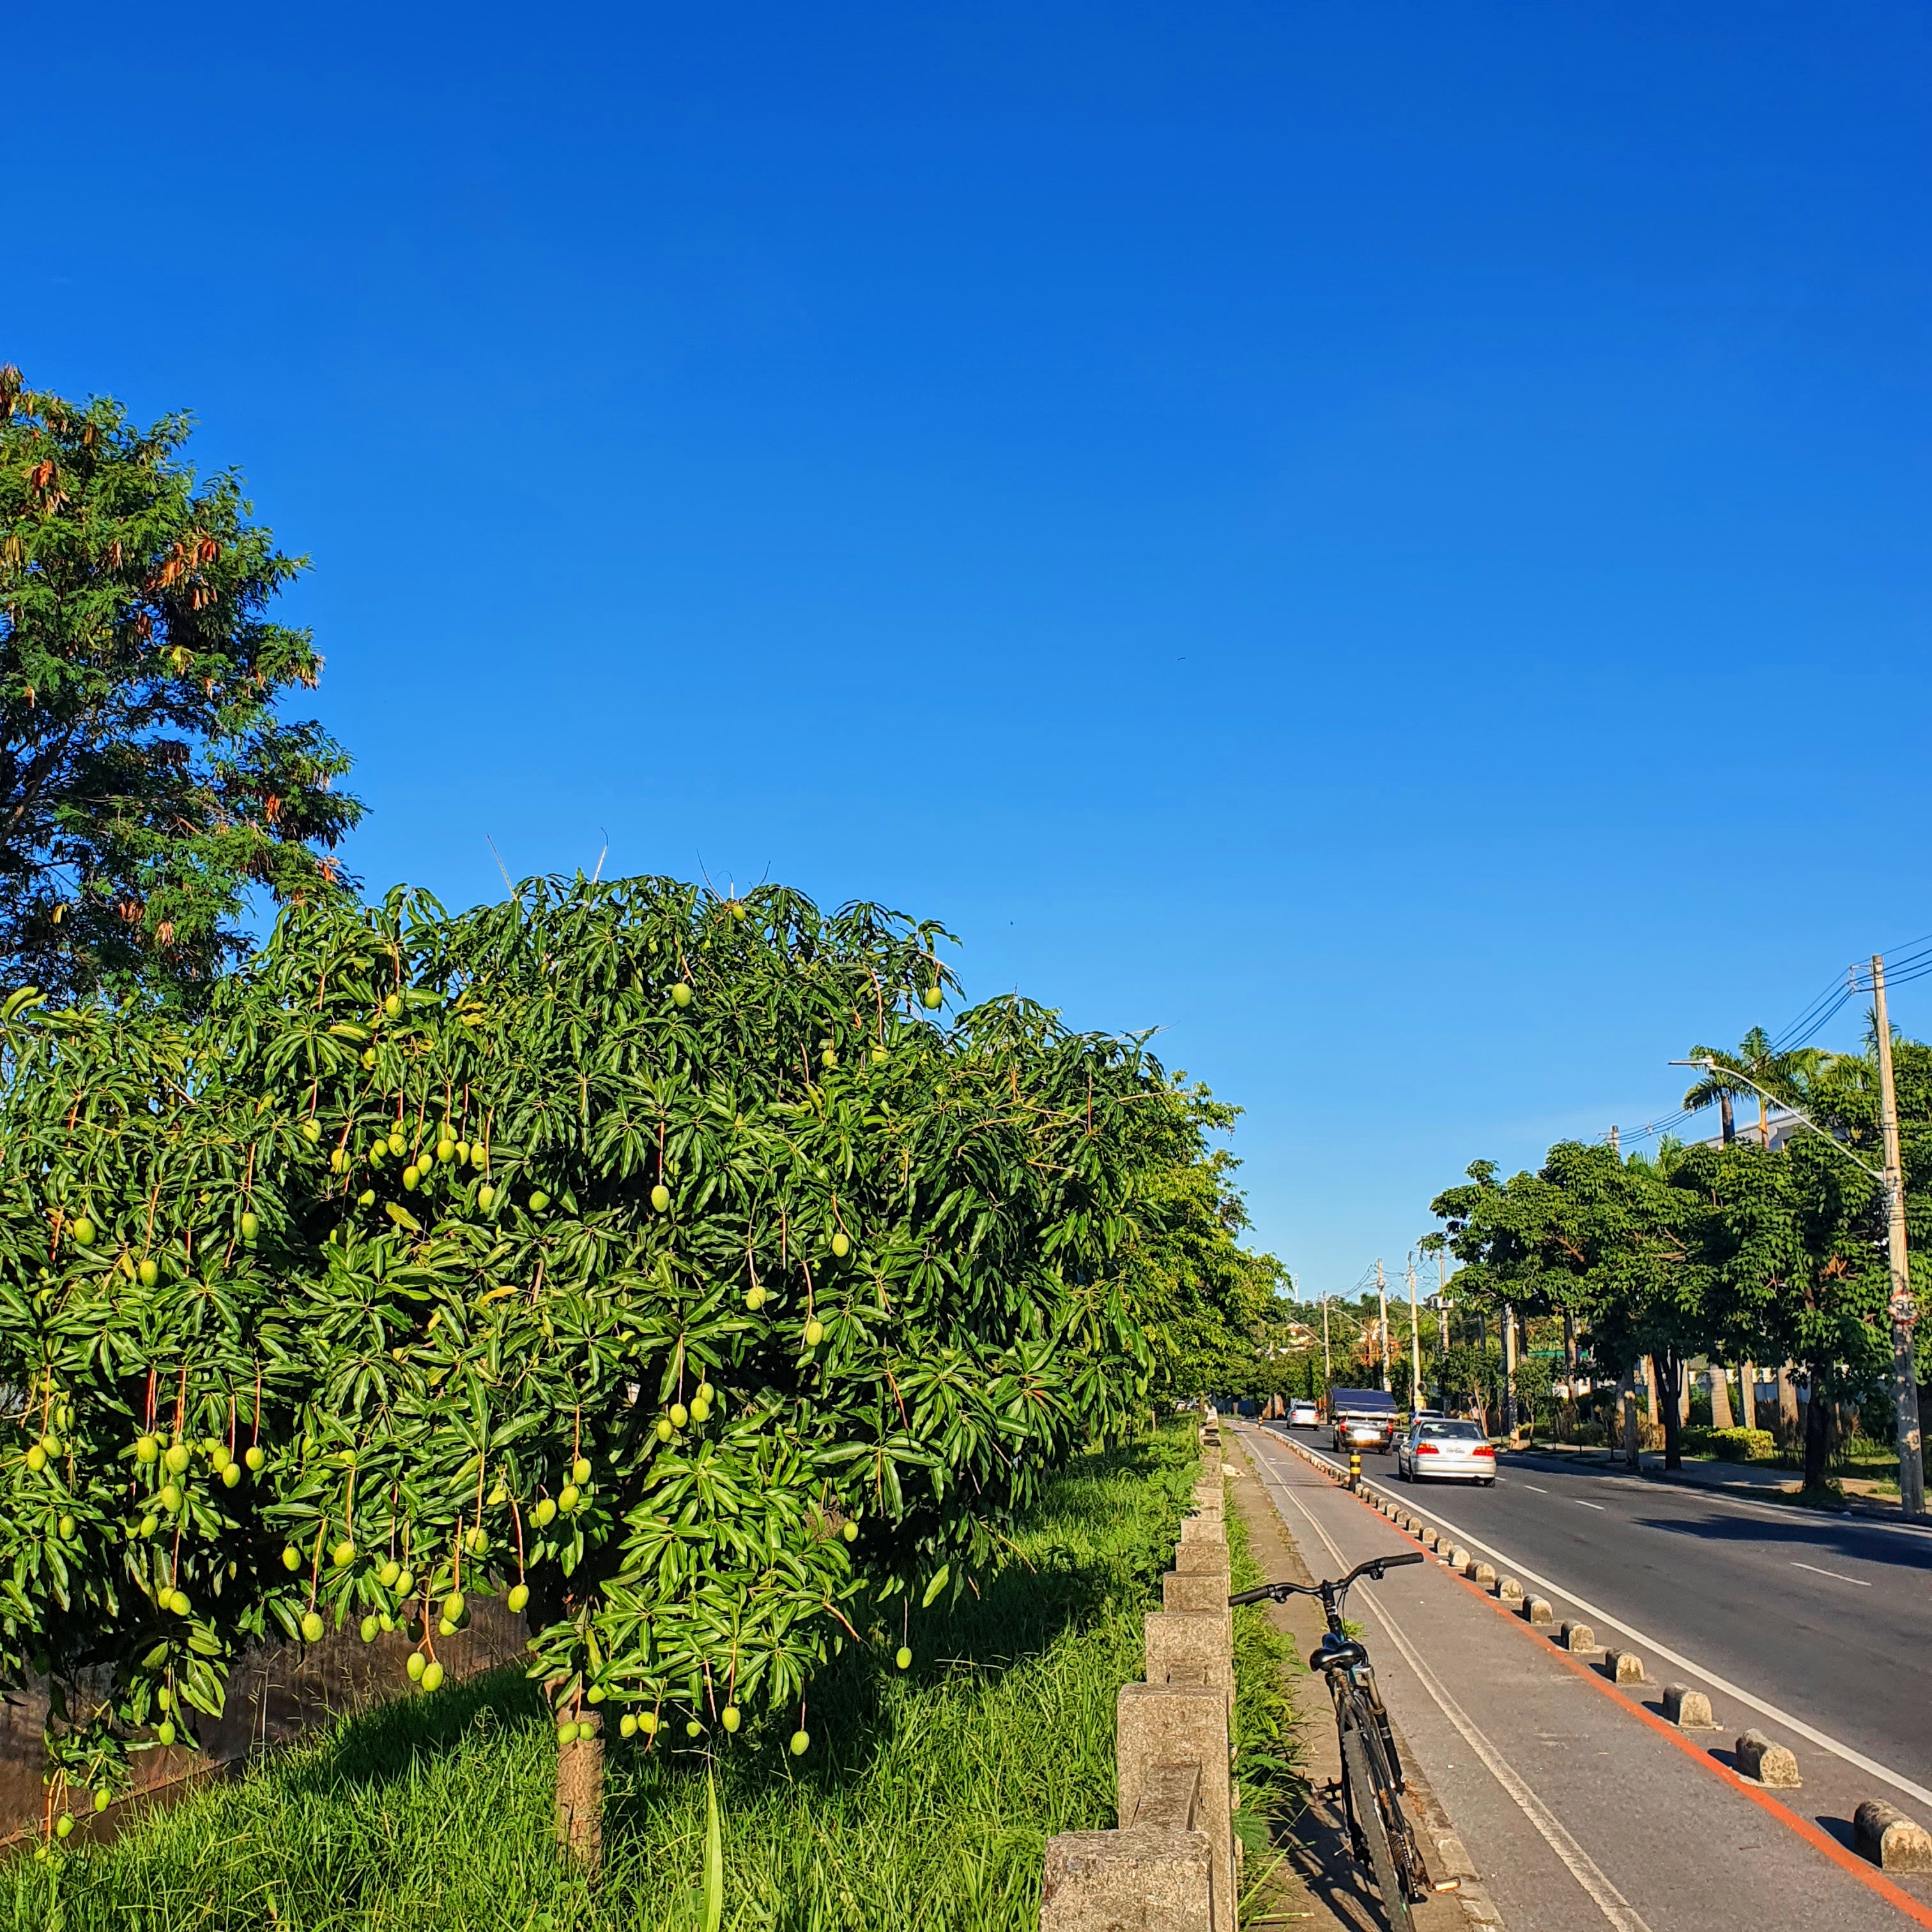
(1689, 1710)
(1578, 1638)
(1891, 1840)
(1203, 1529)
(1203, 1558)
(1479, 1572)
(1623, 1667)
(1157, 1725)
(1536, 1611)
(1458, 1557)
(1101, 1881)
(1767, 1763)
(1205, 1594)
(1509, 1591)
(1430, 1538)
(1190, 1648)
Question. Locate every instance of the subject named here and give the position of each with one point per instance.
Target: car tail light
(1484, 1449)
(1427, 1449)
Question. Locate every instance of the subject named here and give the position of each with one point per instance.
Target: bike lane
(1576, 1812)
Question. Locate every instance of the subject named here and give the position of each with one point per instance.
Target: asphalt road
(1577, 1805)
(1829, 1618)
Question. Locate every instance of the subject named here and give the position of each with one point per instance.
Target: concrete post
(1141, 1880)
(1185, 1648)
(1157, 1724)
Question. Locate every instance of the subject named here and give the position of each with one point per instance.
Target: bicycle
(1379, 1832)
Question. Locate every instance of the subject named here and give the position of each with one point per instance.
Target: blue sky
(1389, 543)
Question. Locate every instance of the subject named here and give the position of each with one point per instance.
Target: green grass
(1272, 1790)
(925, 1803)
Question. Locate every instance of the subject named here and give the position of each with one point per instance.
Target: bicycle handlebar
(1280, 1592)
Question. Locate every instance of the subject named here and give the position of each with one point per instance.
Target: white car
(1456, 1452)
(1303, 1415)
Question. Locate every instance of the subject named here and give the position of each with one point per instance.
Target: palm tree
(1753, 1059)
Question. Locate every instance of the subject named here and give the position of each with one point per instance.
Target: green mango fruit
(311, 1627)
(149, 1273)
(432, 1678)
(661, 1197)
(904, 1659)
(801, 1743)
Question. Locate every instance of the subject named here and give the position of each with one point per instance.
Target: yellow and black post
(1354, 1468)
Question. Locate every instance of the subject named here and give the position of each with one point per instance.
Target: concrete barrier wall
(1171, 1863)
(275, 1694)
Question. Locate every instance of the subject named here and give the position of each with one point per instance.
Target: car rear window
(1451, 1432)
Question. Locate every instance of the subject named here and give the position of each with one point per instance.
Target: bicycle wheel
(1365, 1800)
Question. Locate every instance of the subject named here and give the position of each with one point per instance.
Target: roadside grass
(1272, 1790)
(924, 1804)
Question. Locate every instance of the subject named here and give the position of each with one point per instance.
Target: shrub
(1592, 1435)
(1743, 1445)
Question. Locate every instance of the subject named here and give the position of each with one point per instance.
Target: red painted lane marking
(1820, 1841)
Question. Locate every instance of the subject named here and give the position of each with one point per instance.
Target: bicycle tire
(1367, 1803)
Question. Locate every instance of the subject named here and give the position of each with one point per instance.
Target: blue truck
(1362, 1418)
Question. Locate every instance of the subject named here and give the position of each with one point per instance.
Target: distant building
(1781, 1124)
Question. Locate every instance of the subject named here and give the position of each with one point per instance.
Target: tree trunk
(1720, 1398)
(1729, 1126)
(1747, 1396)
(1632, 1462)
(1665, 1371)
(1787, 1408)
(1650, 1393)
(580, 1799)
(1817, 1436)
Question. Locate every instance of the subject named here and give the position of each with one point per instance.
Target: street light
(1902, 1309)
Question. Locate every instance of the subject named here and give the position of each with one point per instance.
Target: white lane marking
(1581, 1505)
(1616, 1908)
(1517, 1482)
(1838, 1574)
(1822, 1739)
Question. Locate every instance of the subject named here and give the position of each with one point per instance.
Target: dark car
(1362, 1418)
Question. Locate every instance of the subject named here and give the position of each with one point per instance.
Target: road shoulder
(1317, 1883)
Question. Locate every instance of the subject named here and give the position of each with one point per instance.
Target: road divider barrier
(1536, 1610)
(1766, 1763)
(1580, 1639)
(1508, 1590)
(1623, 1667)
(1689, 1710)
(1891, 1840)
(1170, 1864)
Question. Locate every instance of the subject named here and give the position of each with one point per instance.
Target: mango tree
(659, 1260)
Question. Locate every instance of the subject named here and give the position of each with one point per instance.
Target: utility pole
(1904, 1310)
(1414, 1343)
(1509, 1368)
(1328, 1366)
(1616, 1146)
(1381, 1296)
(1442, 1296)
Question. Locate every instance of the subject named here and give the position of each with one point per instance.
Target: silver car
(1456, 1452)
(1302, 1414)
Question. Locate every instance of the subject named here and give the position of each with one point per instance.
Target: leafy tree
(1209, 1309)
(658, 1260)
(149, 783)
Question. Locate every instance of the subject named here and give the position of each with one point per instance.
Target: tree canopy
(148, 781)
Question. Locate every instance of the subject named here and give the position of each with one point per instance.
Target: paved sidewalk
(1576, 1808)
(1318, 1884)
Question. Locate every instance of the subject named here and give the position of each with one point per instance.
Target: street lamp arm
(1805, 1119)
